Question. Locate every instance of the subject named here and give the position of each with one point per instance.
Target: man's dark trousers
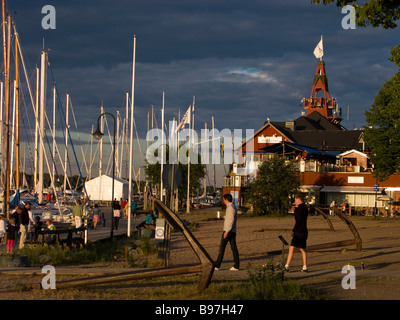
(231, 238)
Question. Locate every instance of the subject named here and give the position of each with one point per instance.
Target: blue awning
(278, 148)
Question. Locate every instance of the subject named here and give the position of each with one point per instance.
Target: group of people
(21, 223)
(299, 233)
(78, 214)
(121, 207)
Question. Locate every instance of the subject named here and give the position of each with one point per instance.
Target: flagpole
(177, 141)
(190, 138)
(188, 171)
(162, 147)
(131, 138)
(322, 43)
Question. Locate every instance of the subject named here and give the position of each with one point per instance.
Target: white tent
(99, 189)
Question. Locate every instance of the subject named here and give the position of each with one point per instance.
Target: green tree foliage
(373, 12)
(277, 180)
(382, 133)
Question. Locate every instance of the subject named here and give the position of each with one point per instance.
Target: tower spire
(320, 99)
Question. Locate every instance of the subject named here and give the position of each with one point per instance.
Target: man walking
(300, 233)
(229, 234)
(23, 227)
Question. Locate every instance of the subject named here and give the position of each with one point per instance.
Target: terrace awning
(290, 147)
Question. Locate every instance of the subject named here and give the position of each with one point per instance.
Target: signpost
(376, 189)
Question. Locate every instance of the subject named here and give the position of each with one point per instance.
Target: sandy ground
(380, 254)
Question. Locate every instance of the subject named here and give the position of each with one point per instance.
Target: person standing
(24, 222)
(116, 214)
(299, 233)
(133, 208)
(11, 231)
(3, 226)
(96, 216)
(229, 234)
(77, 212)
(37, 226)
(124, 208)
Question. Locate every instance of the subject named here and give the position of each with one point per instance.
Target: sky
(244, 61)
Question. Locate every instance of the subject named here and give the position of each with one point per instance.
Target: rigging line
(72, 145)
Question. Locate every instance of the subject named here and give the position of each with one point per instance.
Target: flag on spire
(319, 49)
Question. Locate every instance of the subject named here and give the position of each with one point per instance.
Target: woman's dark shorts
(299, 240)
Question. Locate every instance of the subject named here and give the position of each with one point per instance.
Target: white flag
(185, 119)
(319, 50)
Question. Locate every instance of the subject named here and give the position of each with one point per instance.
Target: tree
(382, 133)
(374, 12)
(277, 180)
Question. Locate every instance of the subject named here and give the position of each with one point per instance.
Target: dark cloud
(243, 60)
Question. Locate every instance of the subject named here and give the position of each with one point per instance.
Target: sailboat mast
(213, 151)
(1, 126)
(35, 175)
(66, 144)
(12, 139)
(6, 200)
(17, 153)
(162, 148)
(43, 82)
(54, 134)
(131, 137)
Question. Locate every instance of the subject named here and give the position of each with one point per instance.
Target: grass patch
(270, 284)
(128, 250)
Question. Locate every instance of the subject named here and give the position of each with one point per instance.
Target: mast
(1, 126)
(206, 161)
(35, 175)
(101, 146)
(43, 82)
(191, 127)
(12, 139)
(162, 148)
(6, 201)
(54, 134)
(213, 150)
(126, 132)
(118, 172)
(147, 182)
(17, 153)
(66, 144)
(131, 136)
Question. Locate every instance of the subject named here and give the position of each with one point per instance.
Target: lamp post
(98, 135)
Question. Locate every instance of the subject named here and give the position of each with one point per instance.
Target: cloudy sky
(244, 61)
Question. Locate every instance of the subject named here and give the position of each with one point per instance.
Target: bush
(269, 283)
